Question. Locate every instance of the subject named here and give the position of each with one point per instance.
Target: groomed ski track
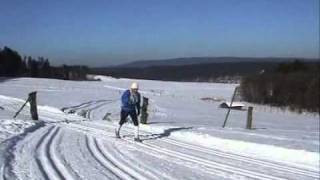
(88, 150)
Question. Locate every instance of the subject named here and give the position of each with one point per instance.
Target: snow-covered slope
(183, 139)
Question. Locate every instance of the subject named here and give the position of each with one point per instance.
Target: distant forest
(294, 84)
(13, 65)
(227, 72)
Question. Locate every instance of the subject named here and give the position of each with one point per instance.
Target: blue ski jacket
(130, 101)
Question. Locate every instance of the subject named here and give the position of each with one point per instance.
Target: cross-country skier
(130, 100)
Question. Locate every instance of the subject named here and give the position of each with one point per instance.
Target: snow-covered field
(183, 139)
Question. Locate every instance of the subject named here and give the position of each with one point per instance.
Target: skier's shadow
(166, 133)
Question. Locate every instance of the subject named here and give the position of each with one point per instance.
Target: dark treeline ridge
(211, 72)
(13, 65)
(294, 85)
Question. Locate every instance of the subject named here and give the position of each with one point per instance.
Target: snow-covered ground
(183, 139)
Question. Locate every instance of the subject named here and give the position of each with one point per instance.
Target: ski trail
(136, 172)
(82, 105)
(211, 166)
(92, 131)
(47, 160)
(243, 158)
(264, 163)
(86, 109)
(57, 161)
(84, 151)
(59, 153)
(98, 159)
(104, 161)
(134, 162)
(112, 153)
(222, 166)
(96, 107)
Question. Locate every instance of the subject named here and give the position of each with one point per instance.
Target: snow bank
(280, 154)
(50, 109)
(10, 99)
(104, 78)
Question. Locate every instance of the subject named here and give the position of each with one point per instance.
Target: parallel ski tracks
(210, 165)
(47, 159)
(118, 168)
(242, 158)
(53, 167)
(88, 107)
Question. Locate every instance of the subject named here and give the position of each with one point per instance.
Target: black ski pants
(125, 114)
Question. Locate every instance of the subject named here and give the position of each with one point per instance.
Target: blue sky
(105, 32)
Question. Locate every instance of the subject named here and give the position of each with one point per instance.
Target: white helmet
(134, 85)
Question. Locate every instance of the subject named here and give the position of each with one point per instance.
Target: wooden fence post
(32, 99)
(227, 115)
(249, 117)
(144, 109)
(33, 105)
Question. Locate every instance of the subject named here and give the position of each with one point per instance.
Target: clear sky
(105, 32)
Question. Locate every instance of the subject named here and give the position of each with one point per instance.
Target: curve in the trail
(83, 105)
(56, 146)
(96, 107)
(137, 165)
(275, 166)
(130, 168)
(211, 166)
(36, 156)
(86, 109)
(88, 159)
(105, 162)
(249, 160)
(47, 159)
(105, 155)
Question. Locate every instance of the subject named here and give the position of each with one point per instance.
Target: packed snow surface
(183, 139)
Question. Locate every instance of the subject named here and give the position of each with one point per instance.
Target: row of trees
(209, 72)
(293, 84)
(13, 65)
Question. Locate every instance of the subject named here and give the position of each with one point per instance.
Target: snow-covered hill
(183, 139)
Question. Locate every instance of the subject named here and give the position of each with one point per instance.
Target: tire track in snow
(211, 165)
(47, 160)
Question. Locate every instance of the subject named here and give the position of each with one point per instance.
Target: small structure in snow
(235, 105)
